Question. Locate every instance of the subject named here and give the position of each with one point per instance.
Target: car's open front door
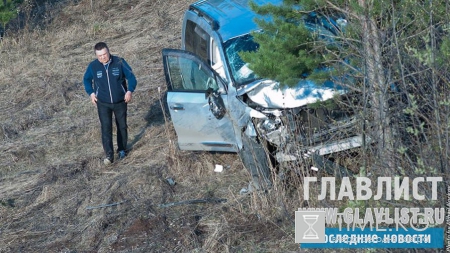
(198, 103)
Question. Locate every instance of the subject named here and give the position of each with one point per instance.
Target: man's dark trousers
(105, 112)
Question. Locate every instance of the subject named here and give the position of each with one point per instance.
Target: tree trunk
(381, 132)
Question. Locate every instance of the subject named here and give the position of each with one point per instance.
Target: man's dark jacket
(109, 81)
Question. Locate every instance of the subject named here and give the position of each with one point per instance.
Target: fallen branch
(105, 205)
(193, 201)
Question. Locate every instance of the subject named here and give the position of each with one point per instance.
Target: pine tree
(8, 11)
(386, 45)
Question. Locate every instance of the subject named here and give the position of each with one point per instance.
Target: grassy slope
(51, 168)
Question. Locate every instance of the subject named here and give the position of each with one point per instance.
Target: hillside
(55, 193)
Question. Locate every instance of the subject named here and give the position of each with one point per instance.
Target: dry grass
(51, 157)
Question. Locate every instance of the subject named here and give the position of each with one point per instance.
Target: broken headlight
(273, 130)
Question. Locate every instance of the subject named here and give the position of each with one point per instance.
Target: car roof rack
(212, 22)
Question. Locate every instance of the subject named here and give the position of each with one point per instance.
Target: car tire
(253, 156)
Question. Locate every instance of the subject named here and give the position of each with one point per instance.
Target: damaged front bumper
(305, 119)
(294, 138)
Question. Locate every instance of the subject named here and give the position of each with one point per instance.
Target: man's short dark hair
(101, 45)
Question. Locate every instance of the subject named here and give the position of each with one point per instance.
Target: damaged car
(217, 103)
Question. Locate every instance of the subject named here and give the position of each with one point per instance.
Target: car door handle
(177, 107)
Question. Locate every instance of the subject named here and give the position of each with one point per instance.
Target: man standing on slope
(105, 81)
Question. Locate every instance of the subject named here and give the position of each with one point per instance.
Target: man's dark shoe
(122, 154)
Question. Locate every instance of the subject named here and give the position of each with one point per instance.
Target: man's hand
(93, 98)
(128, 97)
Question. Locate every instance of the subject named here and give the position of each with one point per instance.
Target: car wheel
(254, 158)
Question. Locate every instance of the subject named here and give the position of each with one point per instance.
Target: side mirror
(216, 105)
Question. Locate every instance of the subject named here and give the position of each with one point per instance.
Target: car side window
(197, 40)
(188, 75)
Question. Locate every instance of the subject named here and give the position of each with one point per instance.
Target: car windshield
(325, 27)
(239, 69)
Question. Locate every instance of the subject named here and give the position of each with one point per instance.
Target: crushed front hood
(268, 94)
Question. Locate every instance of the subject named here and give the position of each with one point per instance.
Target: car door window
(190, 75)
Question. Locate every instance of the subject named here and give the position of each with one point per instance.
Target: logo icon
(309, 226)
(310, 233)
